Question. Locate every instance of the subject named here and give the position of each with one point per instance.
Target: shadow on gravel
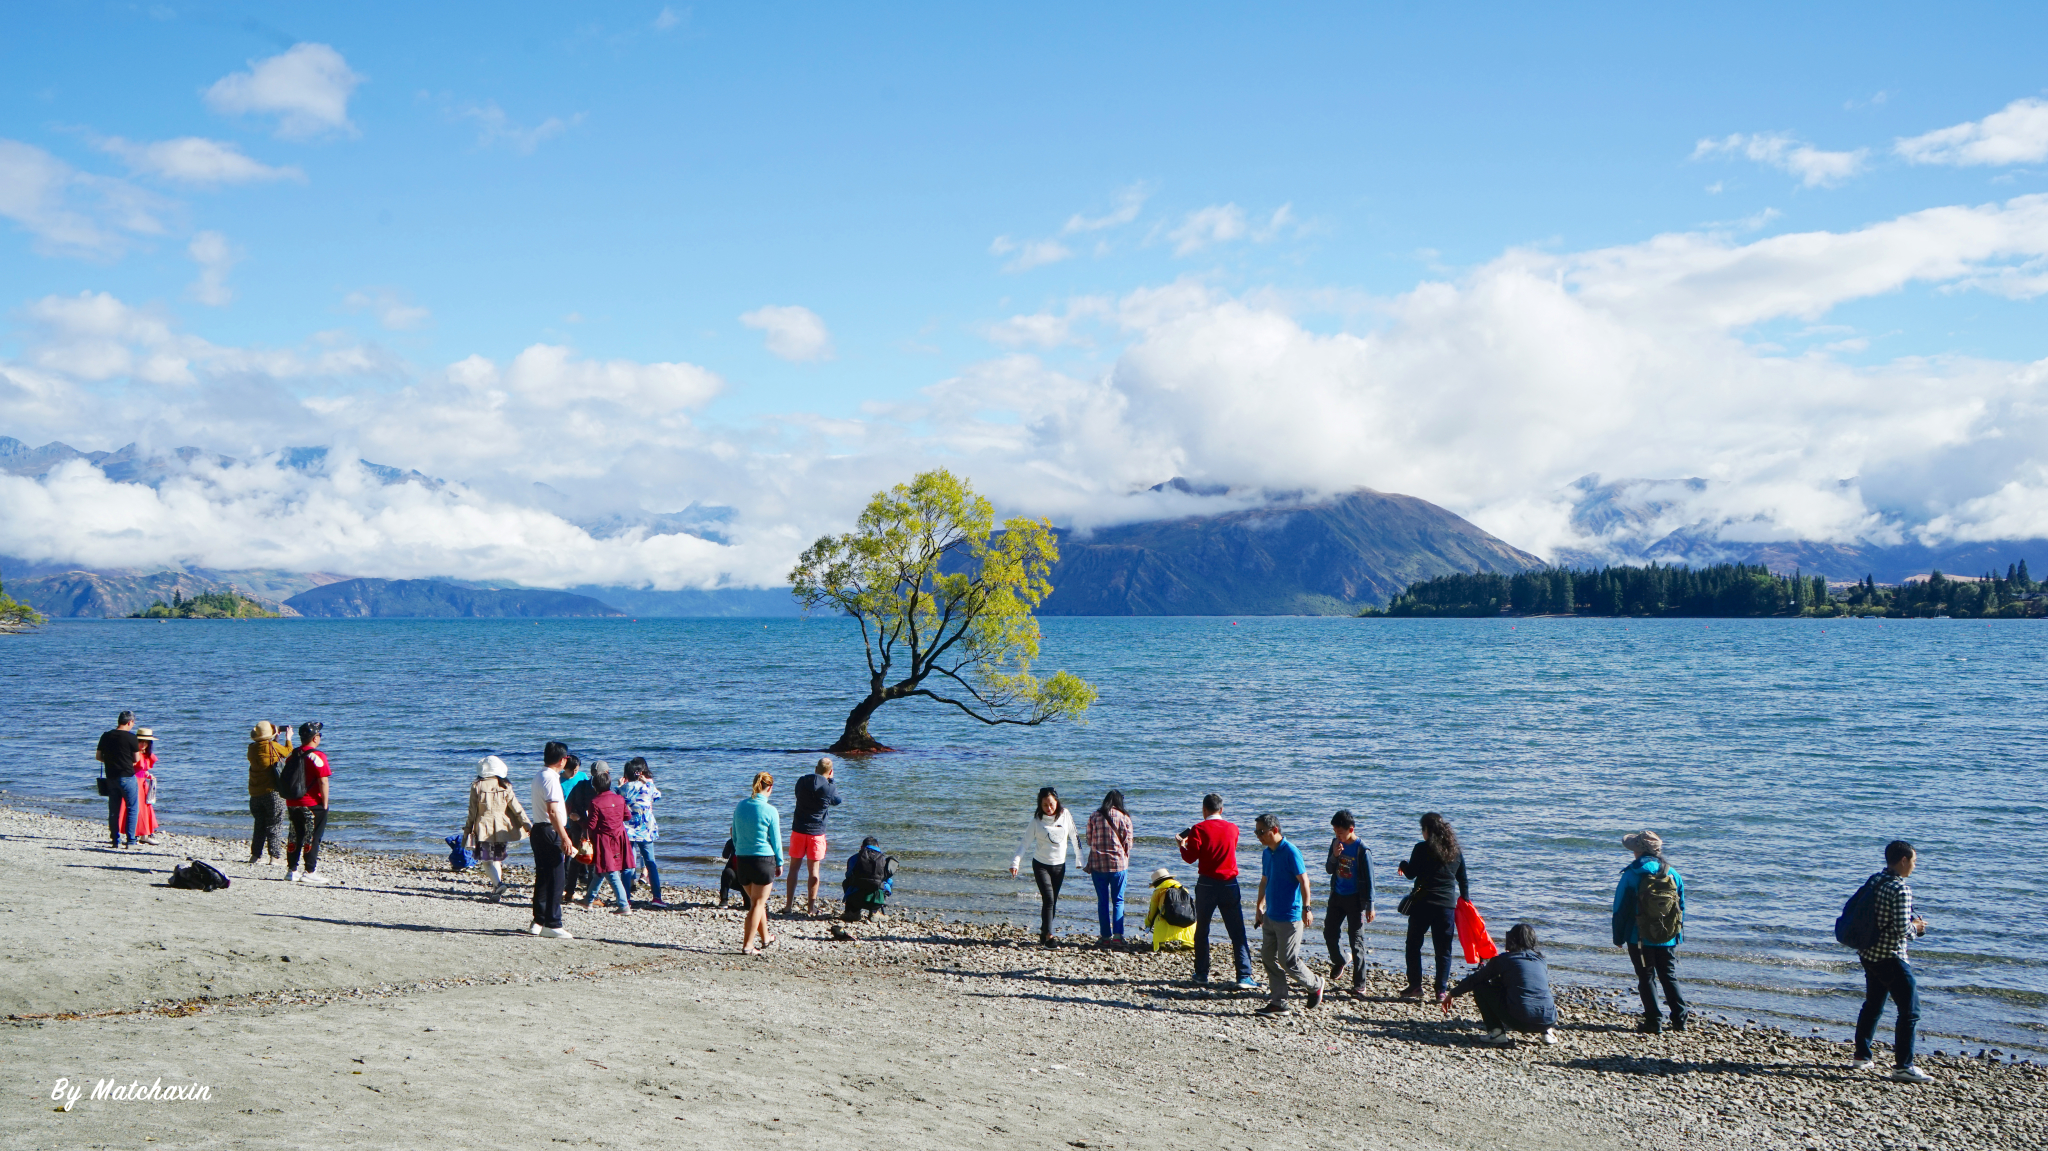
(117, 867)
(1633, 1065)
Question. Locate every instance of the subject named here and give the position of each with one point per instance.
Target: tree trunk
(855, 740)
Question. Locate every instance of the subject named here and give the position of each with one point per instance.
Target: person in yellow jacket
(267, 749)
(1165, 935)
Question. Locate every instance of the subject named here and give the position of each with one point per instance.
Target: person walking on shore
(551, 844)
(757, 859)
(116, 753)
(642, 830)
(1349, 866)
(1047, 839)
(815, 794)
(1170, 917)
(1437, 865)
(495, 819)
(1887, 968)
(266, 806)
(145, 786)
(1649, 920)
(309, 809)
(1283, 913)
(1211, 845)
(1110, 836)
(1512, 991)
(611, 853)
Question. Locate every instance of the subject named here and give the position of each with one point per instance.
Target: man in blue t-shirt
(1283, 912)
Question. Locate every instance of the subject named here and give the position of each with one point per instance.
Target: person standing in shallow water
(1888, 968)
(1649, 920)
(757, 859)
(1047, 839)
(1110, 836)
(266, 806)
(1437, 865)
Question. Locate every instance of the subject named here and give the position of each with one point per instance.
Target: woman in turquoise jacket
(757, 858)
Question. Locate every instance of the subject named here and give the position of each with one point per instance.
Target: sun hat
(1162, 874)
(263, 732)
(1643, 843)
(144, 735)
(489, 766)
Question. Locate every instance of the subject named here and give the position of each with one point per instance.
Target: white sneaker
(313, 877)
(1860, 1064)
(1550, 1036)
(1911, 1074)
(533, 929)
(555, 933)
(292, 876)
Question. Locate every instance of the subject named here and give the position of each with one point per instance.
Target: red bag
(1472, 934)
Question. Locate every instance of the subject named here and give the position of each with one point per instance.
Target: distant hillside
(432, 599)
(1330, 557)
(94, 595)
(733, 602)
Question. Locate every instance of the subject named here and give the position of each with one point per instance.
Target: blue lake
(1775, 757)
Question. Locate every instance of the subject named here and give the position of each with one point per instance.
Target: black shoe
(1680, 1019)
(1273, 1009)
(1411, 994)
(1315, 998)
(1651, 1025)
(1336, 971)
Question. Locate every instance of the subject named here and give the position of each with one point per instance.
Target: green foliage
(17, 616)
(2016, 595)
(938, 600)
(207, 605)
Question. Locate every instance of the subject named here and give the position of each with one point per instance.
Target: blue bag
(459, 857)
(1857, 925)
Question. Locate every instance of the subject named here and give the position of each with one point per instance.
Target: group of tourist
(598, 832)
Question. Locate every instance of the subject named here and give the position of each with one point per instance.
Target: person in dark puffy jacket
(1655, 960)
(1512, 991)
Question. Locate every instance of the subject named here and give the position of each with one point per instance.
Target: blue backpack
(1856, 927)
(459, 857)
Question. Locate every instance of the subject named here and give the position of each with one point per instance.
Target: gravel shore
(400, 1007)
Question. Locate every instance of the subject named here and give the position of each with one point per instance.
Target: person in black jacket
(1437, 865)
(1512, 991)
(815, 796)
(117, 751)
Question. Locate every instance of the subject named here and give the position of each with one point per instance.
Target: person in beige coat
(495, 819)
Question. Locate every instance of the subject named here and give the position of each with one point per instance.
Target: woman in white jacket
(1047, 840)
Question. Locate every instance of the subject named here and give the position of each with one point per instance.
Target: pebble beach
(400, 1007)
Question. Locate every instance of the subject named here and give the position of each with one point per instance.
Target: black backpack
(871, 869)
(291, 776)
(1178, 907)
(1857, 925)
(199, 875)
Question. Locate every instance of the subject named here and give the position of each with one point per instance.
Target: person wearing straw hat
(1166, 934)
(1649, 920)
(266, 807)
(495, 819)
(145, 786)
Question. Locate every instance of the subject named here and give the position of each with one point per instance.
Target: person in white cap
(495, 819)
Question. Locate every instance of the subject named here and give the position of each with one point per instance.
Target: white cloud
(215, 256)
(392, 310)
(794, 333)
(666, 20)
(1029, 253)
(1130, 201)
(2016, 134)
(307, 87)
(494, 127)
(1815, 168)
(194, 160)
(1222, 223)
(70, 212)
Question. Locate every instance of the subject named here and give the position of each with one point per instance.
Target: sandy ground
(402, 1009)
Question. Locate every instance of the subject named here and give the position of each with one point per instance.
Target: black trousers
(1430, 919)
(1048, 877)
(309, 824)
(1345, 915)
(549, 876)
(1657, 965)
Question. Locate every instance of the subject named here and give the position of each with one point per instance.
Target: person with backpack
(870, 877)
(611, 853)
(304, 783)
(728, 879)
(1349, 866)
(551, 843)
(1211, 845)
(640, 793)
(815, 797)
(1649, 920)
(1047, 840)
(116, 753)
(1512, 991)
(1437, 865)
(1110, 836)
(1171, 915)
(1880, 923)
(495, 820)
(1283, 912)
(266, 751)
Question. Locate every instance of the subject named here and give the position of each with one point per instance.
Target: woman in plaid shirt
(1109, 862)
(1887, 970)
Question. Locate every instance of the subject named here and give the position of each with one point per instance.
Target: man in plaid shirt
(1887, 969)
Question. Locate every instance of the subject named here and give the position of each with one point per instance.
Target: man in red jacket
(1212, 846)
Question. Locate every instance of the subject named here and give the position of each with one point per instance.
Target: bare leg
(812, 893)
(789, 900)
(756, 922)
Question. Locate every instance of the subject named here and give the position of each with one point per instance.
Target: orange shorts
(803, 846)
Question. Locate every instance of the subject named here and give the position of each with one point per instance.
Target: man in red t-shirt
(309, 811)
(1212, 846)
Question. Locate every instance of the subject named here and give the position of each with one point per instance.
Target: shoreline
(310, 1012)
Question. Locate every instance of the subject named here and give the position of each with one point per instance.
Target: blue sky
(629, 181)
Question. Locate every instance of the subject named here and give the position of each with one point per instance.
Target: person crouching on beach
(495, 819)
(611, 853)
(1649, 920)
(642, 830)
(1512, 991)
(1168, 934)
(551, 844)
(266, 806)
(870, 877)
(309, 811)
(1283, 913)
(757, 839)
(728, 879)
(1349, 865)
(1047, 839)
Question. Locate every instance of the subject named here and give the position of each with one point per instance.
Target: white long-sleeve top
(1048, 840)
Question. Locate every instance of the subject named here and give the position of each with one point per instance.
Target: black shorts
(754, 870)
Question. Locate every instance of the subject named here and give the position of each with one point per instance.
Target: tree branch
(929, 694)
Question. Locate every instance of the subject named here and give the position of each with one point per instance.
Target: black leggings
(1048, 877)
(1430, 919)
(308, 825)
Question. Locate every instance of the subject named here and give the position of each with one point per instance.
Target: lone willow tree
(942, 606)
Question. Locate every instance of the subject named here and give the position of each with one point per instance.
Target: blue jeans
(1211, 897)
(643, 854)
(126, 788)
(1109, 901)
(618, 881)
(1891, 978)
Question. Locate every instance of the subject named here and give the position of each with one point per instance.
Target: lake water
(1775, 757)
